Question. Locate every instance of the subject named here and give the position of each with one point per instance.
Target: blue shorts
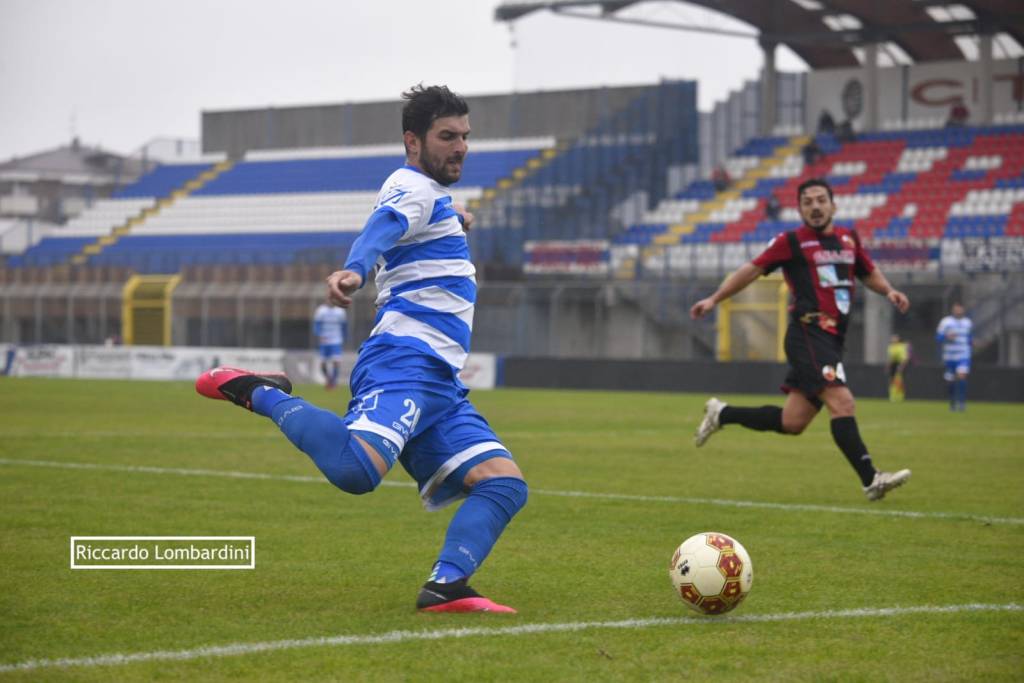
(956, 367)
(330, 351)
(411, 399)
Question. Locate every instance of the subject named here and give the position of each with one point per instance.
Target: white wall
(185, 363)
(917, 91)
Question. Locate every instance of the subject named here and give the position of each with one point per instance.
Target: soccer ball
(711, 572)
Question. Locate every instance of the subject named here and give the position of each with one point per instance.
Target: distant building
(57, 184)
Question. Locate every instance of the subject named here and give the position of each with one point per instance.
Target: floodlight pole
(985, 63)
(769, 87)
(871, 85)
(769, 74)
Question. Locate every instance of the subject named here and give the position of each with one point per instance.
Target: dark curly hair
(814, 182)
(424, 105)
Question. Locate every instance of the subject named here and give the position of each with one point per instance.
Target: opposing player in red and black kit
(821, 263)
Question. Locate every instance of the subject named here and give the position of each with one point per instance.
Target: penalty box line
(720, 502)
(390, 637)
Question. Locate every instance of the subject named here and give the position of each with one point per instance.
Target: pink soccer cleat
(236, 385)
(455, 597)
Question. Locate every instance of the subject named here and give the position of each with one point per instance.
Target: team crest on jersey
(392, 195)
(368, 403)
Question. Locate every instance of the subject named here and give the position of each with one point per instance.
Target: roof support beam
(866, 35)
(985, 64)
(694, 28)
(871, 86)
(769, 86)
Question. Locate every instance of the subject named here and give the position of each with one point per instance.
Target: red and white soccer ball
(711, 572)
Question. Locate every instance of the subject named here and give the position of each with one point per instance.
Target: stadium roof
(832, 33)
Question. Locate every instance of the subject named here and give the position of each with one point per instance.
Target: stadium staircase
(913, 195)
(720, 201)
(574, 193)
(710, 209)
(192, 185)
(516, 178)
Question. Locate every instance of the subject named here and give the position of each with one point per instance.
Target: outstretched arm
(380, 233)
(877, 282)
(733, 284)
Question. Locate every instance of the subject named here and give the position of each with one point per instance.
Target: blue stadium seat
(162, 181)
(50, 251)
(348, 174)
(169, 253)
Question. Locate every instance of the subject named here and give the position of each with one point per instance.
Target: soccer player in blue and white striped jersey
(329, 325)
(954, 336)
(408, 404)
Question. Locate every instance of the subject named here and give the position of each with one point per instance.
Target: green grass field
(844, 590)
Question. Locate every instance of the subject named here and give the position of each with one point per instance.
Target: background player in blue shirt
(954, 337)
(408, 404)
(329, 323)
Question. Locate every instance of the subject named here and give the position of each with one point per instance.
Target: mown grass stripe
(390, 637)
(760, 505)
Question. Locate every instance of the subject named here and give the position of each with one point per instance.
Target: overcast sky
(122, 72)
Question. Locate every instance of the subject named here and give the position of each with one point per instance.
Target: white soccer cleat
(885, 482)
(709, 425)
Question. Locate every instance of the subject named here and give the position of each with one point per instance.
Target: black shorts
(815, 360)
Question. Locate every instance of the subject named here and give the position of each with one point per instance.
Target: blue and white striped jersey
(955, 336)
(329, 324)
(426, 283)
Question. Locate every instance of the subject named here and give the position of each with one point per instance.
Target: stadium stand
(104, 215)
(273, 208)
(946, 183)
(162, 181)
(573, 194)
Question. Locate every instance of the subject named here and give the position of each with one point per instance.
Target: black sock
(763, 419)
(847, 437)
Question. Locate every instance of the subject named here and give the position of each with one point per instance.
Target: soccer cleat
(235, 385)
(709, 425)
(456, 596)
(885, 482)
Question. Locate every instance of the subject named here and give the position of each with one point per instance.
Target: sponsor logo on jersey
(829, 256)
(843, 300)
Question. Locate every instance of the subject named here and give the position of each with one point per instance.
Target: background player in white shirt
(954, 336)
(329, 323)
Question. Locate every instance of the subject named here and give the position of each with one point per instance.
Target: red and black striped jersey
(820, 270)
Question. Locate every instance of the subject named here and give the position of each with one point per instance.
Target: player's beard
(821, 218)
(440, 169)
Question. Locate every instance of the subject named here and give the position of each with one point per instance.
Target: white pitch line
(788, 507)
(236, 649)
(720, 502)
(190, 472)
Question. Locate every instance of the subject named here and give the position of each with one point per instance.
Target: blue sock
(264, 398)
(961, 391)
(326, 439)
(445, 572)
(476, 526)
